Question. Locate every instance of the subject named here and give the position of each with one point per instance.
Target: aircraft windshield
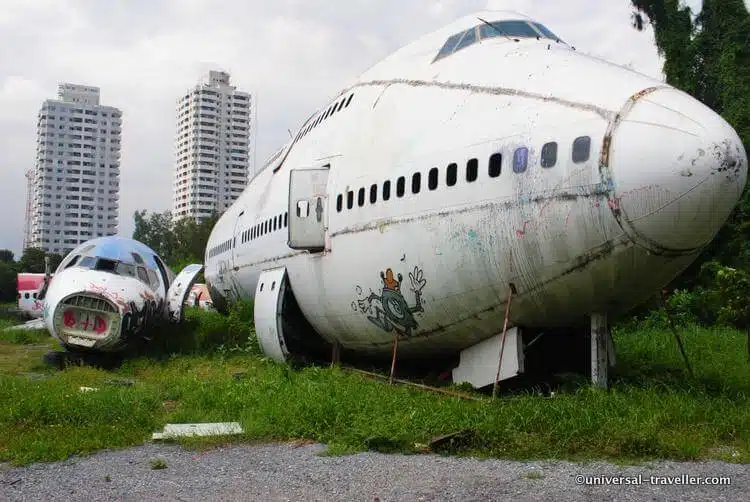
(120, 268)
(510, 29)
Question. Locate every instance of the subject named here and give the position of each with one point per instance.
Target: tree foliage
(708, 56)
(178, 243)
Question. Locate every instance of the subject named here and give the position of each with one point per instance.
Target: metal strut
(393, 362)
(511, 292)
(676, 333)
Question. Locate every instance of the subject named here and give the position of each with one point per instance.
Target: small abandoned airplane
(108, 293)
(487, 167)
(28, 286)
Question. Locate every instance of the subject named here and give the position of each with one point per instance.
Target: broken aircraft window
(581, 149)
(549, 154)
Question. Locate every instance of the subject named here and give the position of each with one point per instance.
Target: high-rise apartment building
(212, 147)
(76, 180)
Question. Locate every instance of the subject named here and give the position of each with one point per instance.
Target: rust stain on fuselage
(486, 89)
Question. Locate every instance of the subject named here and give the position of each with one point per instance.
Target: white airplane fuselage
(596, 231)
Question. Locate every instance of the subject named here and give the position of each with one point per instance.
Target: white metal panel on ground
(179, 290)
(211, 429)
(269, 294)
(478, 364)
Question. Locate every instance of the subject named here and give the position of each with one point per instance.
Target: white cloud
(294, 54)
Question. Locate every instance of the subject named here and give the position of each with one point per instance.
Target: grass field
(653, 410)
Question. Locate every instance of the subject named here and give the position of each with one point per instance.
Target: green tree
(178, 243)
(54, 261)
(156, 232)
(6, 256)
(8, 284)
(32, 261)
(709, 58)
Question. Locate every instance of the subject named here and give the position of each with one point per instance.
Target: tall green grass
(652, 410)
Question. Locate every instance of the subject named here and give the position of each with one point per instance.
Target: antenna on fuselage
(498, 30)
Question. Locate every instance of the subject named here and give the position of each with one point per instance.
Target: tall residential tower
(76, 181)
(212, 147)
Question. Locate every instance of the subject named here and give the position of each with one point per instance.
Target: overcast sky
(293, 54)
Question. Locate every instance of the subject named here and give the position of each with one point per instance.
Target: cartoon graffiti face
(390, 310)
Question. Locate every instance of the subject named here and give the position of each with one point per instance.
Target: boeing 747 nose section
(678, 170)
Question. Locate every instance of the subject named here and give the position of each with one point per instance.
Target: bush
(208, 332)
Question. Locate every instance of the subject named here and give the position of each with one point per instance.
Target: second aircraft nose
(678, 170)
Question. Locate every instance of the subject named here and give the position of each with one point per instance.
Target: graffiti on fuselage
(389, 310)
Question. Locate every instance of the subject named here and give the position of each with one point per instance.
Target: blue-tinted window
(470, 36)
(544, 31)
(520, 159)
(449, 45)
(515, 28)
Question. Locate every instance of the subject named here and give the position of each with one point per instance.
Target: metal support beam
(599, 350)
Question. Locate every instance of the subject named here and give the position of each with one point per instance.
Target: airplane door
(237, 238)
(308, 208)
(180, 289)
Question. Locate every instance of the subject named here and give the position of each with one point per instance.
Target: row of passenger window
(335, 107)
(254, 232)
(580, 153)
(220, 248)
(268, 226)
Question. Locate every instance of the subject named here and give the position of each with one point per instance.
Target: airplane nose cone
(678, 170)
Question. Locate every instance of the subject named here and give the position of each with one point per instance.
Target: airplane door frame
(234, 240)
(308, 208)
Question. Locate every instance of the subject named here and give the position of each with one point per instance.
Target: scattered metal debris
(447, 392)
(190, 430)
(453, 441)
(29, 325)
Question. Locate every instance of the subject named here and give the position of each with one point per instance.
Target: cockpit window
(87, 262)
(106, 265)
(125, 270)
(509, 29)
(470, 36)
(544, 31)
(449, 45)
(513, 29)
